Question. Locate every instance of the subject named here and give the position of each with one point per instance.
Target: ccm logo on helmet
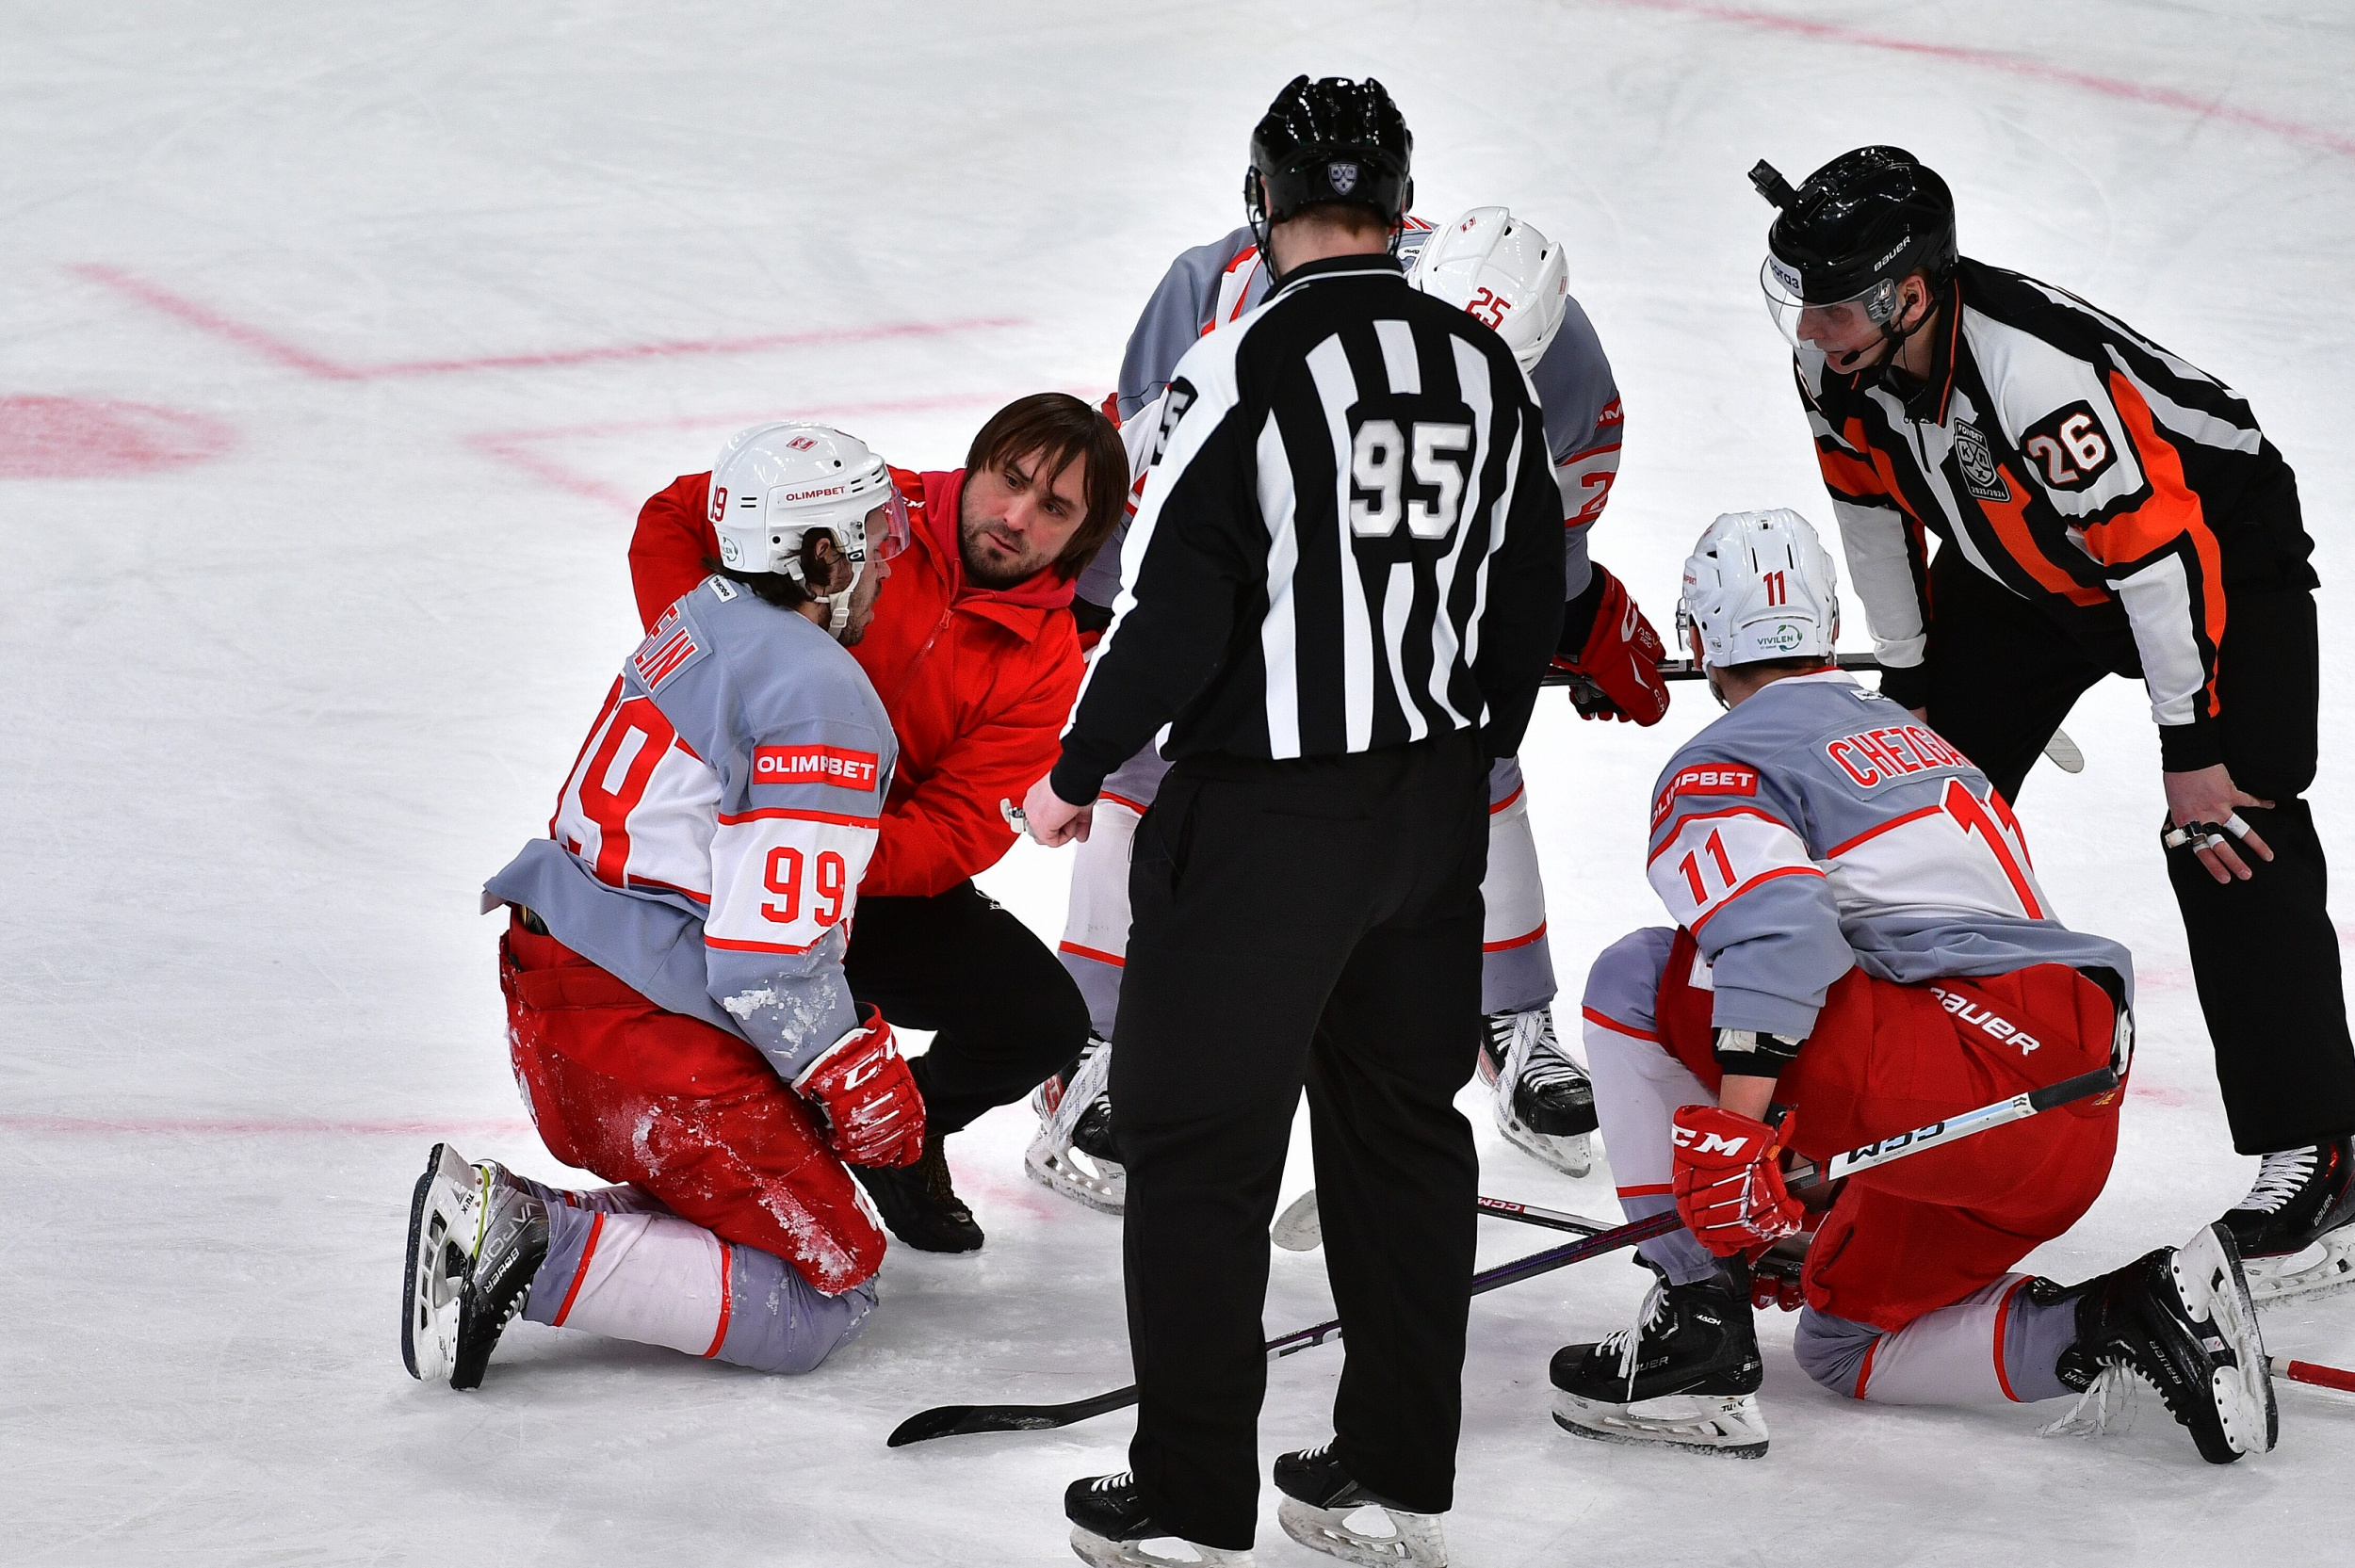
(1986, 1021)
(828, 764)
(1708, 1144)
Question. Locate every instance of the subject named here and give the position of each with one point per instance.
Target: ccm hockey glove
(1728, 1185)
(874, 1113)
(1618, 661)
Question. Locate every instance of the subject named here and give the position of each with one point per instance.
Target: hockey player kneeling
(1862, 950)
(679, 1021)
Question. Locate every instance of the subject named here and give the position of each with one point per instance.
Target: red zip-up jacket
(979, 681)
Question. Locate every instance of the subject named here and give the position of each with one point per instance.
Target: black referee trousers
(1311, 922)
(2004, 673)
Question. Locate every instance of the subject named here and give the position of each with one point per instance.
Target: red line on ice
(516, 447)
(294, 357)
(300, 1126)
(1995, 59)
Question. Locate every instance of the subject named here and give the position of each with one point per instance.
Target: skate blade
(444, 1216)
(1417, 1540)
(1069, 1172)
(1728, 1424)
(1095, 1548)
(2324, 1268)
(2215, 1290)
(1572, 1156)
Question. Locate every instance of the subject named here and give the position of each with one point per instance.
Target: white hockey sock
(660, 1279)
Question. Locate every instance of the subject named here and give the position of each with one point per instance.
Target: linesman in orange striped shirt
(2102, 508)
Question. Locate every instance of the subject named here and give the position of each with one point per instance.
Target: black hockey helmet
(1328, 140)
(1867, 217)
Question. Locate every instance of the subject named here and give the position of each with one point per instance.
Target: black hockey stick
(959, 1421)
(1300, 1229)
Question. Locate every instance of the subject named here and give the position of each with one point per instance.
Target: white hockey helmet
(771, 484)
(1503, 271)
(1759, 586)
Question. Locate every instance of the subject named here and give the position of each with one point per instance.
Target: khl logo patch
(1344, 177)
(1979, 473)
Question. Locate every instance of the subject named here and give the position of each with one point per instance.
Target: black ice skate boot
(1083, 1129)
(1545, 1103)
(1321, 1497)
(2294, 1229)
(510, 1246)
(919, 1203)
(1686, 1376)
(2181, 1319)
(1111, 1528)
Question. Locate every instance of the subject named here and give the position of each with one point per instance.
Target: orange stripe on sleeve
(2172, 511)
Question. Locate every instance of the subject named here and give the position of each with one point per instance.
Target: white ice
(320, 460)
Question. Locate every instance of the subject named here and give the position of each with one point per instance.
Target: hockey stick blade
(960, 1420)
(1299, 1228)
(2063, 753)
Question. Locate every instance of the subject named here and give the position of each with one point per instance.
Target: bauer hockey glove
(1728, 1185)
(874, 1113)
(1618, 665)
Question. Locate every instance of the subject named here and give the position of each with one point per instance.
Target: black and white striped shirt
(1351, 538)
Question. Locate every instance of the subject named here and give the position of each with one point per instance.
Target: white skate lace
(1624, 1342)
(2111, 1398)
(1119, 1479)
(2281, 1177)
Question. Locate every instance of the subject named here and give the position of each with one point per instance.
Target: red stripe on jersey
(1761, 877)
(1511, 942)
(1092, 953)
(732, 818)
(2003, 1315)
(1602, 1022)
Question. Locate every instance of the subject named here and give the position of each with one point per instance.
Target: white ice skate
(445, 1218)
(1544, 1103)
(1060, 1158)
(1404, 1540)
(1327, 1510)
(2209, 1277)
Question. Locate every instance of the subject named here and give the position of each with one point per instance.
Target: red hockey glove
(874, 1114)
(1728, 1187)
(1621, 662)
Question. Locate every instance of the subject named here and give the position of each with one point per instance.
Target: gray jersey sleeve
(1178, 314)
(1583, 420)
(1730, 859)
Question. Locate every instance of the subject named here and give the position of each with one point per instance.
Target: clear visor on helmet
(1832, 327)
(887, 526)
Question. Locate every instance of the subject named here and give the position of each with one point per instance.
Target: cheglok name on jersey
(1876, 756)
(1716, 778)
(829, 765)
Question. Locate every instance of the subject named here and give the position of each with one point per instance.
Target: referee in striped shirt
(1346, 585)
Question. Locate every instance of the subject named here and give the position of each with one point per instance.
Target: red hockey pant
(1923, 1233)
(687, 1111)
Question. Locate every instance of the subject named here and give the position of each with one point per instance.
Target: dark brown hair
(1059, 428)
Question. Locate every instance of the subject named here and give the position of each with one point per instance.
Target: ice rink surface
(337, 345)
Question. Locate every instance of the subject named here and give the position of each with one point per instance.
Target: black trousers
(1314, 922)
(1006, 1011)
(2004, 673)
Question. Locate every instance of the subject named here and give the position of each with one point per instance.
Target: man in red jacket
(977, 660)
